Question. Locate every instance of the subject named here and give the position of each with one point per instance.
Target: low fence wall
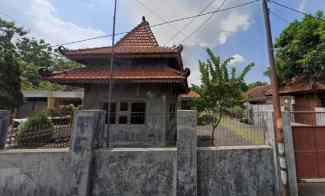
(35, 173)
(86, 169)
(138, 172)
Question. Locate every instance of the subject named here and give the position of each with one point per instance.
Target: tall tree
(301, 48)
(31, 55)
(220, 88)
(10, 93)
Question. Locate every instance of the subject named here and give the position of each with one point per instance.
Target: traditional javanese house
(147, 80)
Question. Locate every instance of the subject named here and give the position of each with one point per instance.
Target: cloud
(43, 22)
(302, 5)
(216, 32)
(237, 59)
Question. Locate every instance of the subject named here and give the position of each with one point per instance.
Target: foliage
(10, 94)
(255, 84)
(38, 127)
(21, 57)
(220, 88)
(301, 49)
(63, 111)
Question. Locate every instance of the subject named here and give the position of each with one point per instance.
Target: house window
(124, 106)
(322, 101)
(122, 119)
(112, 113)
(138, 113)
(123, 113)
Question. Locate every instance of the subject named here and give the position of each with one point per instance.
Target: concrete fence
(87, 169)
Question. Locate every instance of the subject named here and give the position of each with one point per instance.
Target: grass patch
(242, 130)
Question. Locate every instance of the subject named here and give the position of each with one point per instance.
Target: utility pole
(110, 80)
(279, 136)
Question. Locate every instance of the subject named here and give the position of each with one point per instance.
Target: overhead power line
(206, 13)
(164, 23)
(292, 9)
(279, 16)
(155, 13)
(204, 23)
(189, 24)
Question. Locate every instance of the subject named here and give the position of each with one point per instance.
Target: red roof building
(146, 79)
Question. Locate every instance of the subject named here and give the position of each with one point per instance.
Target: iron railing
(236, 130)
(38, 137)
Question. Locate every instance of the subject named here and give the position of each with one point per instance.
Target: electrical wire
(154, 13)
(293, 9)
(167, 22)
(189, 24)
(203, 24)
(279, 16)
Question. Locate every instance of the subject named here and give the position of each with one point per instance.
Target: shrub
(203, 118)
(36, 131)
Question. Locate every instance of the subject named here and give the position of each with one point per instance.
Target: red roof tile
(140, 36)
(190, 94)
(257, 94)
(140, 40)
(301, 86)
(138, 73)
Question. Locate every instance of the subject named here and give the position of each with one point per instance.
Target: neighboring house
(147, 80)
(186, 100)
(42, 101)
(257, 98)
(306, 99)
(258, 104)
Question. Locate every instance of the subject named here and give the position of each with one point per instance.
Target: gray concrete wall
(157, 130)
(227, 171)
(135, 172)
(4, 126)
(188, 171)
(35, 173)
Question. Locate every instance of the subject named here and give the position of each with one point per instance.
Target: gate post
(4, 124)
(186, 153)
(290, 155)
(88, 125)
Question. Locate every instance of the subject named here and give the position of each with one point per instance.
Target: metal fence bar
(233, 130)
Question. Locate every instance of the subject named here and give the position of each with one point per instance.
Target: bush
(203, 118)
(36, 131)
(66, 110)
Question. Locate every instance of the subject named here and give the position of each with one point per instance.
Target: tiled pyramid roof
(139, 41)
(140, 36)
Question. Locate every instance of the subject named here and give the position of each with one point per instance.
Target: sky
(237, 33)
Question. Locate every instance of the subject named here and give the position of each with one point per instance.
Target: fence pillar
(186, 153)
(88, 127)
(290, 155)
(4, 124)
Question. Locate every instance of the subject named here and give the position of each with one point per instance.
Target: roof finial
(143, 19)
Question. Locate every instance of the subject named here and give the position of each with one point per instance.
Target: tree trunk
(214, 127)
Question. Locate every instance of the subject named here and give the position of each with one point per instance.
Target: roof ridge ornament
(144, 19)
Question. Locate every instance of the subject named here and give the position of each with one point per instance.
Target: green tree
(36, 54)
(30, 55)
(220, 88)
(300, 49)
(10, 93)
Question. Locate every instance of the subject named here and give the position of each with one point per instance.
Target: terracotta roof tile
(190, 94)
(140, 36)
(257, 94)
(140, 40)
(301, 86)
(122, 73)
